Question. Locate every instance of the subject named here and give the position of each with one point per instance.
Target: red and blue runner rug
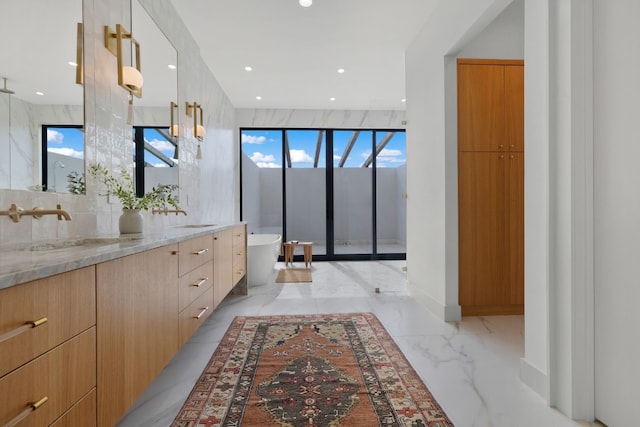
(310, 371)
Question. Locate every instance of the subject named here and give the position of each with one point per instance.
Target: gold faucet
(15, 213)
(168, 211)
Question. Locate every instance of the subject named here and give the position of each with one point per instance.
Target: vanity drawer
(63, 375)
(62, 305)
(194, 253)
(239, 235)
(239, 263)
(195, 314)
(82, 414)
(194, 283)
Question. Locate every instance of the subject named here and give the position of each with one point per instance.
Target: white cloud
(67, 152)
(300, 156)
(54, 136)
(390, 153)
(251, 139)
(264, 160)
(391, 156)
(336, 157)
(267, 165)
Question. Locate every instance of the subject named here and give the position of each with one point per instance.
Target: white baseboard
(534, 379)
(448, 313)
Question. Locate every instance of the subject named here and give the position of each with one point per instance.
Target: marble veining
(471, 367)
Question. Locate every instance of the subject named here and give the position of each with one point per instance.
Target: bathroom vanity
(85, 328)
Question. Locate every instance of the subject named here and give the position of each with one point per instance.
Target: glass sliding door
(262, 183)
(305, 187)
(391, 189)
(352, 192)
(343, 190)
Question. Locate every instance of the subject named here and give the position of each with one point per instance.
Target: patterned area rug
(310, 371)
(294, 275)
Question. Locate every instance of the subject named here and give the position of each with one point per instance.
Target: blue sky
(66, 141)
(264, 147)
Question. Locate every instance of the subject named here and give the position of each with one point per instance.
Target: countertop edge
(36, 265)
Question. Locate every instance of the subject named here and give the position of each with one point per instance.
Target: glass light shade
(200, 132)
(132, 78)
(174, 131)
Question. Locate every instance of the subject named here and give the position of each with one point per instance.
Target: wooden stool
(289, 249)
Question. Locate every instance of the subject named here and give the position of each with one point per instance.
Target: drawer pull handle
(200, 252)
(17, 331)
(175, 252)
(31, 407)
(201, 282)
(204, 310)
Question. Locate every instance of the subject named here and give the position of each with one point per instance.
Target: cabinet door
(222, 265)
(515, 184)
(481, 107)
(482, 238)
(514, 107)
(137, 321)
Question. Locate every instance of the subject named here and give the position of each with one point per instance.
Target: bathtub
(262, 254)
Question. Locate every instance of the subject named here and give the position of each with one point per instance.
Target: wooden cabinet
(195, 284)
(92, 339)
(47, 347)
(239, 255)
(491, 186)
(223, 265)
(137, 321)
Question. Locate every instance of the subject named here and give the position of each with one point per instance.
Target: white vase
(131, 221)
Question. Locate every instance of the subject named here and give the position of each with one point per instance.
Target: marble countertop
(22, 263)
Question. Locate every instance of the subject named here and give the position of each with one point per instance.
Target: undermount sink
(89, 241)
(196, 225)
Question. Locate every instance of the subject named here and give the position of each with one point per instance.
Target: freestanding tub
(262, 254)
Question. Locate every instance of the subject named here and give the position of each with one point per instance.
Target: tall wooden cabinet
(491, 186)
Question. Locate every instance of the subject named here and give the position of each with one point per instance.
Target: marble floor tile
(471, 367)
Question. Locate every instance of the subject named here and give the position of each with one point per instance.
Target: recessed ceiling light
(73, 64)
(305, 3)
(403, 100)
(248, 68)
(332, 99)
(171, 66)
(39, 93)
(340, 70)
(258, 97)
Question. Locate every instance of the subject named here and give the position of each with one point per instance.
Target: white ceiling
(295, 52)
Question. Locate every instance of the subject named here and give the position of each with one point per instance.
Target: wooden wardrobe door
(482, 239)
(514, 107)
(481, 107)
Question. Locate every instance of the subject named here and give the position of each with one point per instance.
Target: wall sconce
(129, 78)
(198, 129)
(173, 129)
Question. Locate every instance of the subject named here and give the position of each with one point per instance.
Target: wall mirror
(40, 52)
(155, 149)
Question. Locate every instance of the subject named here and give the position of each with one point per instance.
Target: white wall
(617, 210)
(251, 199)
(306, 207)
(432, 248)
